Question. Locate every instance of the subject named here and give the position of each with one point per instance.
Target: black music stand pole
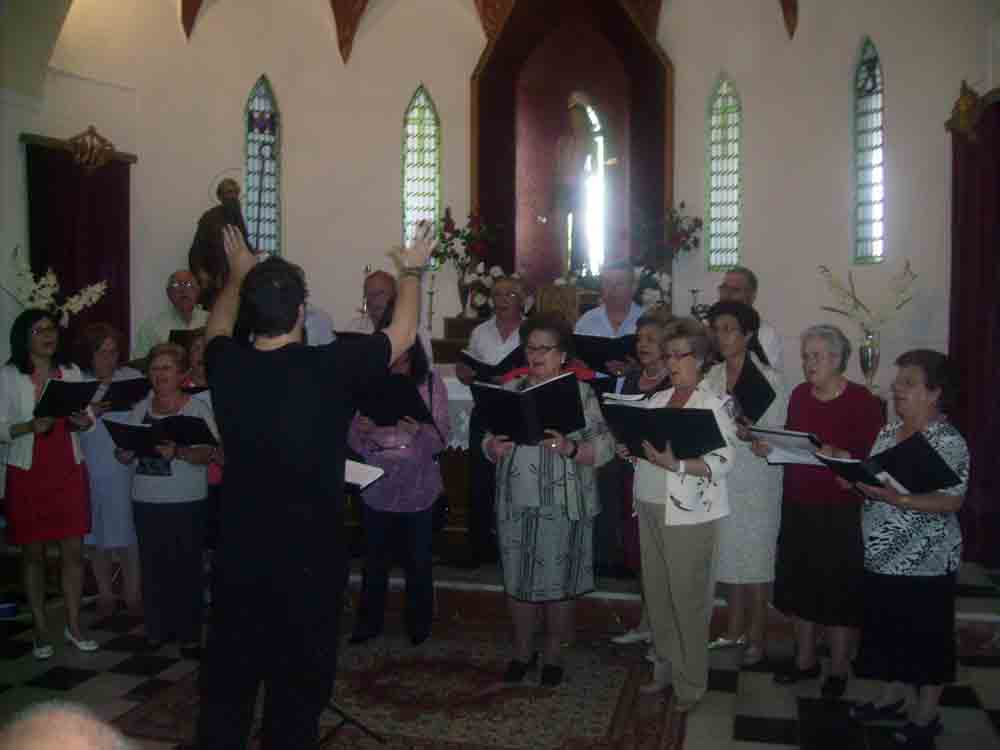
(345, 719)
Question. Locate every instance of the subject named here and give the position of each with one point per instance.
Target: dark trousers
(280, 629)
(171, 543)
(407, 537)
(609, 547)
(482, 477)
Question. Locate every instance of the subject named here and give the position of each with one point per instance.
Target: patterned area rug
(448, 694)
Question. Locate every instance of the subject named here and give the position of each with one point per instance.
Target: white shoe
(82, 644)
(723, 642)
(632, 636)
(42, 650)
(660, 681)
(651, 656)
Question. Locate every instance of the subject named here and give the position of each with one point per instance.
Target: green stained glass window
(421, 162)
(724, 181)
(869, 158)
(262, 196)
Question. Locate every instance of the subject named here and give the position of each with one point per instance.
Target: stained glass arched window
(262, 196)
(869, 157)
(724, 180)
(421, 162)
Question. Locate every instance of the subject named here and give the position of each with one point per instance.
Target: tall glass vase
(868, 354)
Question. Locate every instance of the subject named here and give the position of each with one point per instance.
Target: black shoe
(916, 735)
(517, 670)
(793, 673)
(864, 712)
(362, 637)
(833, 686)
(416, 640)
(192, 653)
(552, 675)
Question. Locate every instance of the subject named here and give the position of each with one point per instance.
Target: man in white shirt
(614, 318)
(740, 285)
(380, 292)
(617, 314)
(184, 314)
(490, 342)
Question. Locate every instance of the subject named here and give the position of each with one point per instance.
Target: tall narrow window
(421, 162)
(869, 158)
(262, 197)
(724, 182)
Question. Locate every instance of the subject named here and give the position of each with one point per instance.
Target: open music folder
(387, 400)
(124, 394)
(60, 398)
(910, 467)
(596, 351)
(753, 392)
(523, 416)
(691, 432)
(487, 372)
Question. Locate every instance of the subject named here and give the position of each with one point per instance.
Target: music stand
(346, 718)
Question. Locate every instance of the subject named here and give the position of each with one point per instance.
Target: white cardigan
(17, 404)
(688, 499)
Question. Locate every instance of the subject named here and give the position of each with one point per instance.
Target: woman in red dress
(46, 487)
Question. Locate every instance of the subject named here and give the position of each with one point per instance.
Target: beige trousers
(678, 579)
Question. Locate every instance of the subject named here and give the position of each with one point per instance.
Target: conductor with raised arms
(283, 411)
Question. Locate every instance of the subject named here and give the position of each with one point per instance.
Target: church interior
(344, 122)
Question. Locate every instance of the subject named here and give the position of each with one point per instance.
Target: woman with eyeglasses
(397, 511)
(546, 501)
(820, 559)
(490, 342)
(680, 504)
(46, 497)
(652, 376)
(748, 535)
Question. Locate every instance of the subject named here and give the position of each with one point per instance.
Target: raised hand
(418, 252)
(241, 260)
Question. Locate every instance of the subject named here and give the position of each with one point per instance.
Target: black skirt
(908, 632)
(820, 563)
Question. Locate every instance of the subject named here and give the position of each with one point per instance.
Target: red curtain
(78, 225)
(975, 324)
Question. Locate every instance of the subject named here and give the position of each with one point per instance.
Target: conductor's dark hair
(20, 340)
(271, 296)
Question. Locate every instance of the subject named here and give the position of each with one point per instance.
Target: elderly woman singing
(913, 546)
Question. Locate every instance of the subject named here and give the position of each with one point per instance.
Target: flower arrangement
(869, 318)
(43, 293)
(479, 283)
(659, 242)
(466, 249)
(655, 289)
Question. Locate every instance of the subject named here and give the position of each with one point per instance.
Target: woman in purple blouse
(398, 510)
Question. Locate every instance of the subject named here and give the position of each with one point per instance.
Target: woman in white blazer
(46, 486)
(679, 504)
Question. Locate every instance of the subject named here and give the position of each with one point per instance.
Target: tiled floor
(743, 710)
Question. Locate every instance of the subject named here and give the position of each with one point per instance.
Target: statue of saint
(575, 155)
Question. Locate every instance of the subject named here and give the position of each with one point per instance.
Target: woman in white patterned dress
(913, 547)
(546, 501)
(749, 534)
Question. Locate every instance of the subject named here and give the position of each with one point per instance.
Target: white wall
(797, 148)
(126, 67)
